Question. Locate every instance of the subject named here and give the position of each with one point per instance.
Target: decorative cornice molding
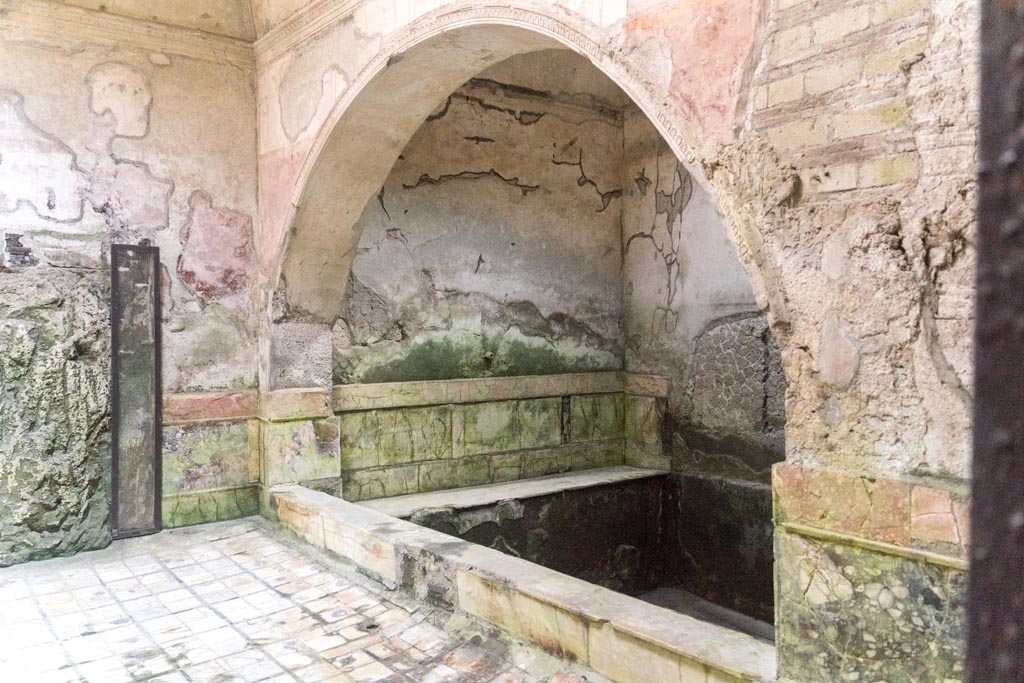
(357, 397)
(300, 26)
(59, 23)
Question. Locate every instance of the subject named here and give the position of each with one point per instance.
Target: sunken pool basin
(604, 526)
(616, 635)
(600, 526)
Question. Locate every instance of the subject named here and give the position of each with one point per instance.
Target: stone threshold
(404, 507)
(617, 636)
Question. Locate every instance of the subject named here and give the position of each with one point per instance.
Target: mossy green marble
(512, 425)
(597, 416)
(186, 509)
(588, 456)
(301, 451)
(847, 613)
(545, 461)
(203, 456)
(450, 474)
(506, 467)
(642, 416)
(381, 482)
(393, 437)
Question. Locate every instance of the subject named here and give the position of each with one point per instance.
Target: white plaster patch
(834, 258)
(839, 357)
(122, 91)
(36, 169)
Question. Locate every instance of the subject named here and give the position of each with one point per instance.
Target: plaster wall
(231, 18)
(835, 196)
(492, 248)
(104, 141)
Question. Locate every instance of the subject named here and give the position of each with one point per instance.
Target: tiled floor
(232, 602)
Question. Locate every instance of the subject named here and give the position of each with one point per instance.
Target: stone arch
(379, 112)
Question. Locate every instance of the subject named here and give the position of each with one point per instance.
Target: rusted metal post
(995, 650)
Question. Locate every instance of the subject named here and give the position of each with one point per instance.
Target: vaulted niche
(537, 224)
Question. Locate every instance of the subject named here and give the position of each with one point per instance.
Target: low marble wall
(619, 637)
(376, 440)
(211, 457)
(871, 577)
(411, 437)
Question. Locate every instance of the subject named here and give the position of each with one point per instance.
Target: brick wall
(831, 92)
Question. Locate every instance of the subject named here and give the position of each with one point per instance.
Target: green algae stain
(519, 358)
(485, 356)
(432, 359)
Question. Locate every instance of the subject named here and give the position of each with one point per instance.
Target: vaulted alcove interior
(538, 224)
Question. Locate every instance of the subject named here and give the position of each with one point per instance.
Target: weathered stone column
(299, 436)
(299, 355)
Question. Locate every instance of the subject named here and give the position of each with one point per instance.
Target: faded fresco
(122, 159)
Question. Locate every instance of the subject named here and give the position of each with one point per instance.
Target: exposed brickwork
(833, 91)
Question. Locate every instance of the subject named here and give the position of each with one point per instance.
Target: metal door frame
(115, 391)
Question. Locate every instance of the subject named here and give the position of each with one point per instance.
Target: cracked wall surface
(101, 143)
(690, 315)
(531, 227)
(493, 247)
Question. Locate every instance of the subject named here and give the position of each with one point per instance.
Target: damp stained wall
(101, 142)
(839, 140)
(493, 247)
